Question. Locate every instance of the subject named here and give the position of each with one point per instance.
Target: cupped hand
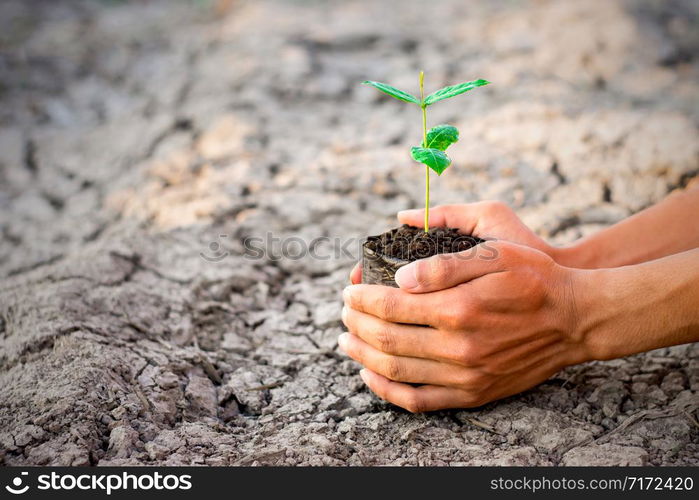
(485, 219)
(489, 220)
(471, 327)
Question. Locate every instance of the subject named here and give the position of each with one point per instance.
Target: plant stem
(424, 145)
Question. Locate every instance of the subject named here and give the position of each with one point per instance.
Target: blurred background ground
(136, 137)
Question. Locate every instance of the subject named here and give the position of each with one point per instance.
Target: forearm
(633, 309)
(670, 227)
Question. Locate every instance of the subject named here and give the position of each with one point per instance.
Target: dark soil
(413, 243)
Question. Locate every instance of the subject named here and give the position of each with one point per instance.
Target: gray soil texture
(141, 143)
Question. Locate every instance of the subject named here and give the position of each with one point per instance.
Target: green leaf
(453, 90)
(434, 158)
(393, 92)
(441, 137)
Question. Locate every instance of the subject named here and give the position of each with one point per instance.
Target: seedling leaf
(453, 90)
(434, 158)
(441, 137)
(393, 92)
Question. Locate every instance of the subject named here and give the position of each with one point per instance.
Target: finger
(447, 270)
(462, 216)
(417, 399)
(405, 340)
(397, 306)
(403, 369)
(356, 274)
(450, 310)
(525, 378)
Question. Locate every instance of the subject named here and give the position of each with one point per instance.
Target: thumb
(448, 270)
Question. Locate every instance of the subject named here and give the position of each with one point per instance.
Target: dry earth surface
(135, 137)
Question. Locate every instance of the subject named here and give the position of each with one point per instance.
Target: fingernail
(344, 314)
(342, 341)
(364, 375)
(405, 276)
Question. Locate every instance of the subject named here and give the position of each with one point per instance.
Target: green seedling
(432, 151)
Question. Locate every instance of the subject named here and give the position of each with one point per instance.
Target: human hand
(489, 220)
(485, 219)
(498, 321)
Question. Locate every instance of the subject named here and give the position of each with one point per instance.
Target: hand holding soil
(485, 220)
(501, 319)
(497, 326)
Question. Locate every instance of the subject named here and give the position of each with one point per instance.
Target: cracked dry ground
(133, 136)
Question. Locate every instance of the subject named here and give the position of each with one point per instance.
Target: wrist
(569, 256)
(631, 309)
(586, 319)
(600, 314)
